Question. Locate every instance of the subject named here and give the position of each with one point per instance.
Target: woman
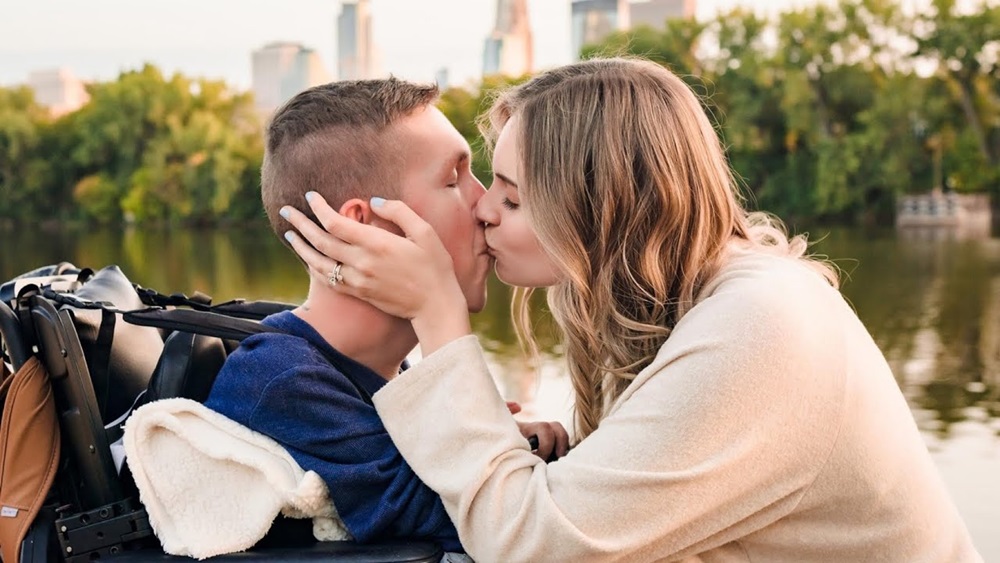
(729, 405)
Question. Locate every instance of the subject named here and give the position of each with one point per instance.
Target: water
(931, 301)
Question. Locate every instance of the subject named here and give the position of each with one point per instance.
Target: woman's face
(520, 259)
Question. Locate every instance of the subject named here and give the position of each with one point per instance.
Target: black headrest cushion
(134, 349)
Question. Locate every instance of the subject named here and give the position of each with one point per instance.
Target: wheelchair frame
(89, 514)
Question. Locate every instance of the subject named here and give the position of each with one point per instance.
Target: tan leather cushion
(29, 453)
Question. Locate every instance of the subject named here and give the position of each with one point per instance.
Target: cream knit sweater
(769, 428)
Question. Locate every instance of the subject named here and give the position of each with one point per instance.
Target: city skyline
(508, 48)
(98, 40)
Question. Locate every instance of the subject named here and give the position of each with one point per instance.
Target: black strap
(221, 326)
(253, 310)
(100, 360)
(198, 301)
(197, 322)
(231, 322)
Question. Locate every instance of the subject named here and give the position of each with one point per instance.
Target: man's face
(438, 184)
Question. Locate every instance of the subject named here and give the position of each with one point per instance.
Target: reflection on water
(225, 263)
(933, 306)
(932, 303)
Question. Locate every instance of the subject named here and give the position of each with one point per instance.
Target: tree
(964, 49)
(466, 108)
(165, 149)
(22, 131)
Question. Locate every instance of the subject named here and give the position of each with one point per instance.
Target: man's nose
(477, 191)
(474, 193)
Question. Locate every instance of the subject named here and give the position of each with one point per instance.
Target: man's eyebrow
(460, 157)
(505, 179)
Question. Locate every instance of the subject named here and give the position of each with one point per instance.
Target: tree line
(827, 112)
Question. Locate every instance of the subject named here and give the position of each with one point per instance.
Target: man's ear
(357, 209)
(360, 210)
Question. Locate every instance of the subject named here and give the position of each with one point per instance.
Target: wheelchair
(109, 346)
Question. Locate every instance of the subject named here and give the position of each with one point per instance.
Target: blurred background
(131, 134)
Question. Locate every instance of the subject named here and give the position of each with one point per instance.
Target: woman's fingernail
(289, 236)
(310, 196)
(284, 212)
(378, 202)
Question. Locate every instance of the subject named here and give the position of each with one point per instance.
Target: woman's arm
(718, 438)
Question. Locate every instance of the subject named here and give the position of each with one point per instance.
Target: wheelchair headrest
(123, 371)
(187, 367)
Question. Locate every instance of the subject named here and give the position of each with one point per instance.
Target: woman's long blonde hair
(629, 191)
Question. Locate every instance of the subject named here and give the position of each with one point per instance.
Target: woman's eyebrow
(505, 179)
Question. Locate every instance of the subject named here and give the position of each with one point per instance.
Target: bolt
(69, 550)
(63, 529)
(93, 449)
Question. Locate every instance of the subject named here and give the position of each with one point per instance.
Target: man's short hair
(333, 139)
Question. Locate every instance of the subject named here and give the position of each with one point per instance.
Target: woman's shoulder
(765, 278)
(767, 306)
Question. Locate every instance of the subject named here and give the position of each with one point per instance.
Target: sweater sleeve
(314, 411)
(720, 436)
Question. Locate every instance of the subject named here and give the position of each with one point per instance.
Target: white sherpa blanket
(212, 486)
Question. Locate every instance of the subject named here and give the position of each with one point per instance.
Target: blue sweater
(282, 386)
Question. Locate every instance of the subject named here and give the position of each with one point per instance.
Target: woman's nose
(486, 211)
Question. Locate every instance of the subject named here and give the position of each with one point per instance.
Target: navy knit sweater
(281, 385)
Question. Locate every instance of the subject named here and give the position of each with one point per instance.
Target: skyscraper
(655, 13)
(281, 70)
(59, 90)
(355, 59)
(593, 20)
(508, 49)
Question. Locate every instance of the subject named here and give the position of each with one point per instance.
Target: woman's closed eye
(509, 204)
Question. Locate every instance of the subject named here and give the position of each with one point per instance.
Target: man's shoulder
(257, 364)
(272, 355)
(282, 364)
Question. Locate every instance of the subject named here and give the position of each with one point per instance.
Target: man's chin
(478, 304)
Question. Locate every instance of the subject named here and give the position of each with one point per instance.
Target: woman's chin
(515, 278)
(504, 275)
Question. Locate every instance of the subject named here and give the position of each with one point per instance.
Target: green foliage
(822, 110)
(466, 109)
(145, 148)
(826, 111)
(23, 128)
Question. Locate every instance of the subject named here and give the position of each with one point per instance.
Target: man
(310, 389)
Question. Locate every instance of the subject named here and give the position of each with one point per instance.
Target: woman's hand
(409, 276)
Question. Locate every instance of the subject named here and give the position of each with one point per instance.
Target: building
(58, 90)
(508, 49)
(355, 57)
(593, 20)
(655, 13)
(441, 78)
(281, 70)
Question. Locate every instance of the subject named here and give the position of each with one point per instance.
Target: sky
(96, 39)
